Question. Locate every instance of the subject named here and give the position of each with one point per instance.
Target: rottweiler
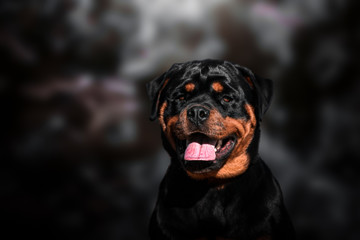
(217, 186)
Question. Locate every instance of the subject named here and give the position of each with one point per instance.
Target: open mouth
(202, 153)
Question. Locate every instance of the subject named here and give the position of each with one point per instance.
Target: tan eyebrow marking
(217, 87)
(190, 87)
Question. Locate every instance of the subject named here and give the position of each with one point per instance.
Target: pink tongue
(200, 152)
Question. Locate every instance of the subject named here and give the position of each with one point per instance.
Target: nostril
(191, 113)
(203, 114)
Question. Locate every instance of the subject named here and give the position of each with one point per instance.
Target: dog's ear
(262, 86)
(265, 92)
(154, 89)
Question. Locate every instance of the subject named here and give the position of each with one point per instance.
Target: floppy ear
(262, 86)
(265, 93)
(154, 89)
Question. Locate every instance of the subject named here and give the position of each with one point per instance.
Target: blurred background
(81, 160)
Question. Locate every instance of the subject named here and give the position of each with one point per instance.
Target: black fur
(248, 206)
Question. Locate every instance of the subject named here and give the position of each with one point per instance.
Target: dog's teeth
(218, 145)
(215, 149)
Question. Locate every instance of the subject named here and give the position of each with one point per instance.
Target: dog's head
(209, 113)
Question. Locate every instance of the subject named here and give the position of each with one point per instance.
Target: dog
(216, 186)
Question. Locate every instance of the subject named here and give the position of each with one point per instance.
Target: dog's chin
(211, 159)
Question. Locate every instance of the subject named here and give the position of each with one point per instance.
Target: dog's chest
(211, 213)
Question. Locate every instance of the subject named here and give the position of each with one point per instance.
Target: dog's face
(209, 113)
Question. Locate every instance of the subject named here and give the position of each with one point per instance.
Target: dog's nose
(198, 115)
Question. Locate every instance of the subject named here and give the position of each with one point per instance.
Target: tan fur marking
(217, 87)
(189, 87)
(161, 89)
(216, 127)
(238, 161)
(248, 79)
(161, 116)
(167, 127)
(169, 132)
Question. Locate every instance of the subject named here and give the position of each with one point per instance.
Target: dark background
(81, 160)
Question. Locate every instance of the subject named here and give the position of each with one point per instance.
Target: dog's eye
(227, 99)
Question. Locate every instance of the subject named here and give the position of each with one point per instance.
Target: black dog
(217, 186)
